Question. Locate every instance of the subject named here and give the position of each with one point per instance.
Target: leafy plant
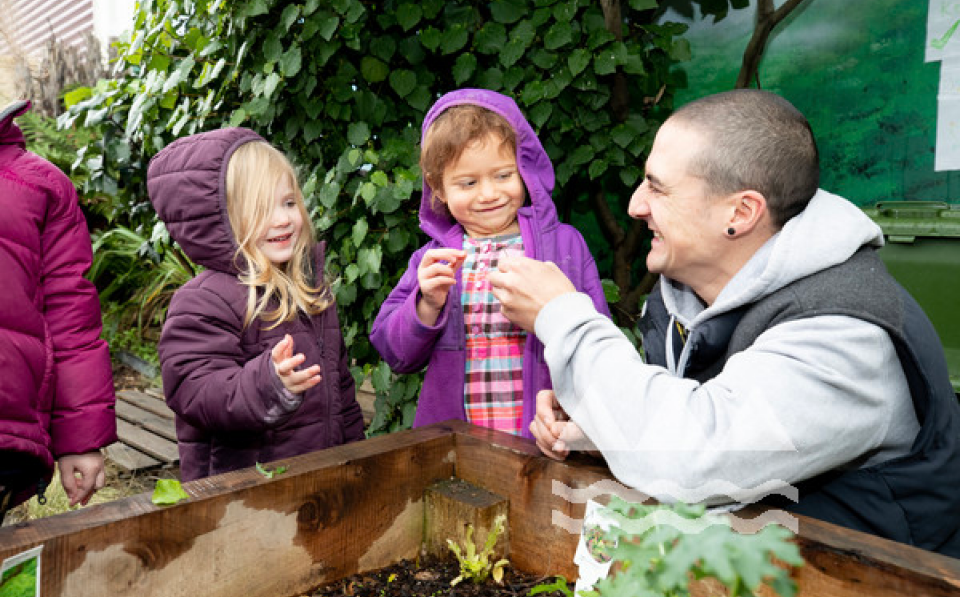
(559, 585)
(476, 565)
(657, 558)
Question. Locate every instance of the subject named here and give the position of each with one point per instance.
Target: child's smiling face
(483, 189)
(283, 226)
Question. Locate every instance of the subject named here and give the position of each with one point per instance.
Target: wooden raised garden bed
(360, 507)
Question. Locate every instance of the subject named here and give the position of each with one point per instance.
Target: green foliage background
(859, 76)
(342, 86)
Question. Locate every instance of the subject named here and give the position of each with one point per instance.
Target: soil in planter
(431, 578)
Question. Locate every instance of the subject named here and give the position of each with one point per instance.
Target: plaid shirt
(493, 393)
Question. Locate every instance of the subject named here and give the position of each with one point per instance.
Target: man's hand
(81, 476)
(436, 273)
(285, 363)
(523, 286)
(555, 433)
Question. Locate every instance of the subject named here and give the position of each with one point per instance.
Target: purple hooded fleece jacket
(231, 408)
(407, 345)
(56, 384)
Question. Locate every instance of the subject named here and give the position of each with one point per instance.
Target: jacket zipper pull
(41, 491)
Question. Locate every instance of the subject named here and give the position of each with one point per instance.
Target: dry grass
(119, 484)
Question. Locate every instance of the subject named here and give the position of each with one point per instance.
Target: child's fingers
(288, 365)
(282, 349)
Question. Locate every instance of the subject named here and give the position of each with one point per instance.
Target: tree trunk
(767, 19)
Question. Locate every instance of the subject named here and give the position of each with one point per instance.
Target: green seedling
(474, 565)
(559, 584)
(270, 472)
(168, 492)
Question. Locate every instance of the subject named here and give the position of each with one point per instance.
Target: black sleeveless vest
(915, 498)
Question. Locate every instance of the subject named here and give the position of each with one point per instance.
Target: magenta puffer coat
(56, 382)
(231, 408)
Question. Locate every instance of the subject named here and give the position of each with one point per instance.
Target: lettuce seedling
(168, 492)
(474, 565)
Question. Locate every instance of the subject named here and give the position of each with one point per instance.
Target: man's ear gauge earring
(731, 231)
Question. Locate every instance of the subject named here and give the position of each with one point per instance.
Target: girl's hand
(285, 363)
(81, 476)
(436, 274)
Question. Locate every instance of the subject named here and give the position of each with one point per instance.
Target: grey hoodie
(805, 398)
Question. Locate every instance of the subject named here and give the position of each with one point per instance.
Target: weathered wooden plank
(452, 507)
(129, 459)
(333, 513)
(147, 402)
(146, 442)
(135, 415)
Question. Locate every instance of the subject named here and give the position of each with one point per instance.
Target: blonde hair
(253, 174)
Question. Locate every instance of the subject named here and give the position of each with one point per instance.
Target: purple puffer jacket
(407, 345)
(56, 383)
(231, 408)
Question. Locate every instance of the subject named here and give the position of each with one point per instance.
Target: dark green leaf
(597, 167)
(408, 15)
(373, 70)
(611, 292)
(289, 16)
(578, 60)
(540, 113)
(643, 4)
(327, 25)
(490, 38)
(359, 231)
(383, 48)
(454, 39)
(420, 99)
(403, 81)
(272, 48)
(358, 133)
(512, 52)
(565, 11)
(290, 62)
(492, 78)
(463, 68)
(431, 38)
(257, 7)
(507, 11)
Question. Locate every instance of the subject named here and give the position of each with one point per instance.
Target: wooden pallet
(146, 431)
(145, 427)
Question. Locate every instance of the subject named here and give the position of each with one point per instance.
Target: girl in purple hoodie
(486, 195)
(252, 356)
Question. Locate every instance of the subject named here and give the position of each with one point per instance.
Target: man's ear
(748, 211)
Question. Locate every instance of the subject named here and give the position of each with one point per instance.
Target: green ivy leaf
(431, 38)
(506, 11)
(490, 38)
(272, 80)
(463, 68)
(383, 48)
(351, 273)
(408, 16)
(290, 62)
(257, 7)
(605, 63)
(289, 16)
(540, 113)
(492, 78)
(403, 81)
(512, 52)
(420, 99)
(597, 167)
(272, 48)
(327, 25)
(373, 70)
(454, 39)
(369, 259)
(559, 35)
(312, 130)
(578, 60)
(358, 133)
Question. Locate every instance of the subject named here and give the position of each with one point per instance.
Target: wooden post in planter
(451, 505)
